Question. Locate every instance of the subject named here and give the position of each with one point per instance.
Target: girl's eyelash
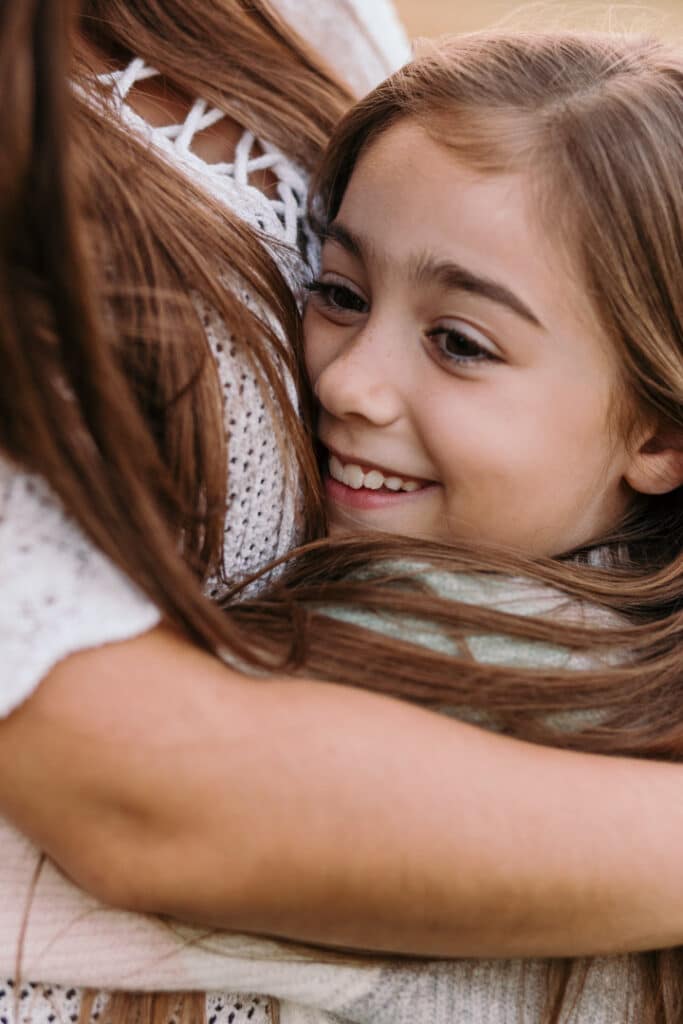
(326, 290)
(314, 285)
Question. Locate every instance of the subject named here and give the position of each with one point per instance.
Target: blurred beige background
(433, 17)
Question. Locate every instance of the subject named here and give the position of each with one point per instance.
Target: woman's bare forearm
(162, 781)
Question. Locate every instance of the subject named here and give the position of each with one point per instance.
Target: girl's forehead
(410, 188)
(414, 212)
(411, 202)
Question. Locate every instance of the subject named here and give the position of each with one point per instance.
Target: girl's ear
(656, 467)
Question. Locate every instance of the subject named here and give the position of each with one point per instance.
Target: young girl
(495, 343)
(387, 438)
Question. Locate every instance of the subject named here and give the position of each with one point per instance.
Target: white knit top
(59, 593)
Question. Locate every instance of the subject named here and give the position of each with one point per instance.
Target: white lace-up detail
(280, 215)
(261, 519)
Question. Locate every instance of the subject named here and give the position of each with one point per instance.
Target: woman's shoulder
(59, 593)
(362, 42)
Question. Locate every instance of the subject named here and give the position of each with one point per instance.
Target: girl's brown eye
(458, 347)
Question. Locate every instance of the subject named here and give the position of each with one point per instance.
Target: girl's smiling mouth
(349, 481)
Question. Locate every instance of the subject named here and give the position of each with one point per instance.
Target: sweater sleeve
(59, 593)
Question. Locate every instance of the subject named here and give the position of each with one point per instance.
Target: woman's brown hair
(107, 257)
(121, 411)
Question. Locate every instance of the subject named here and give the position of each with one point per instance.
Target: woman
(134, 464)
(263, 191)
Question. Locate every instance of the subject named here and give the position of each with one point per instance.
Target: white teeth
(336, 469)
(353, 476)
(374, 480)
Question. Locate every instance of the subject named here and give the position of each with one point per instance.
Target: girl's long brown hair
(108, 390)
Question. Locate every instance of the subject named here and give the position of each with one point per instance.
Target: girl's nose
(362, 379)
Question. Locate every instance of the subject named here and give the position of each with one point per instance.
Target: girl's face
(465, 388)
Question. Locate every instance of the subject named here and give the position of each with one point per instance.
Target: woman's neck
(160, 102)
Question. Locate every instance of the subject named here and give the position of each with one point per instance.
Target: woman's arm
(161, 780)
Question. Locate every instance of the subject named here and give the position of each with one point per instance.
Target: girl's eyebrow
(448, 274)
(354, 244)
(454, 277)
